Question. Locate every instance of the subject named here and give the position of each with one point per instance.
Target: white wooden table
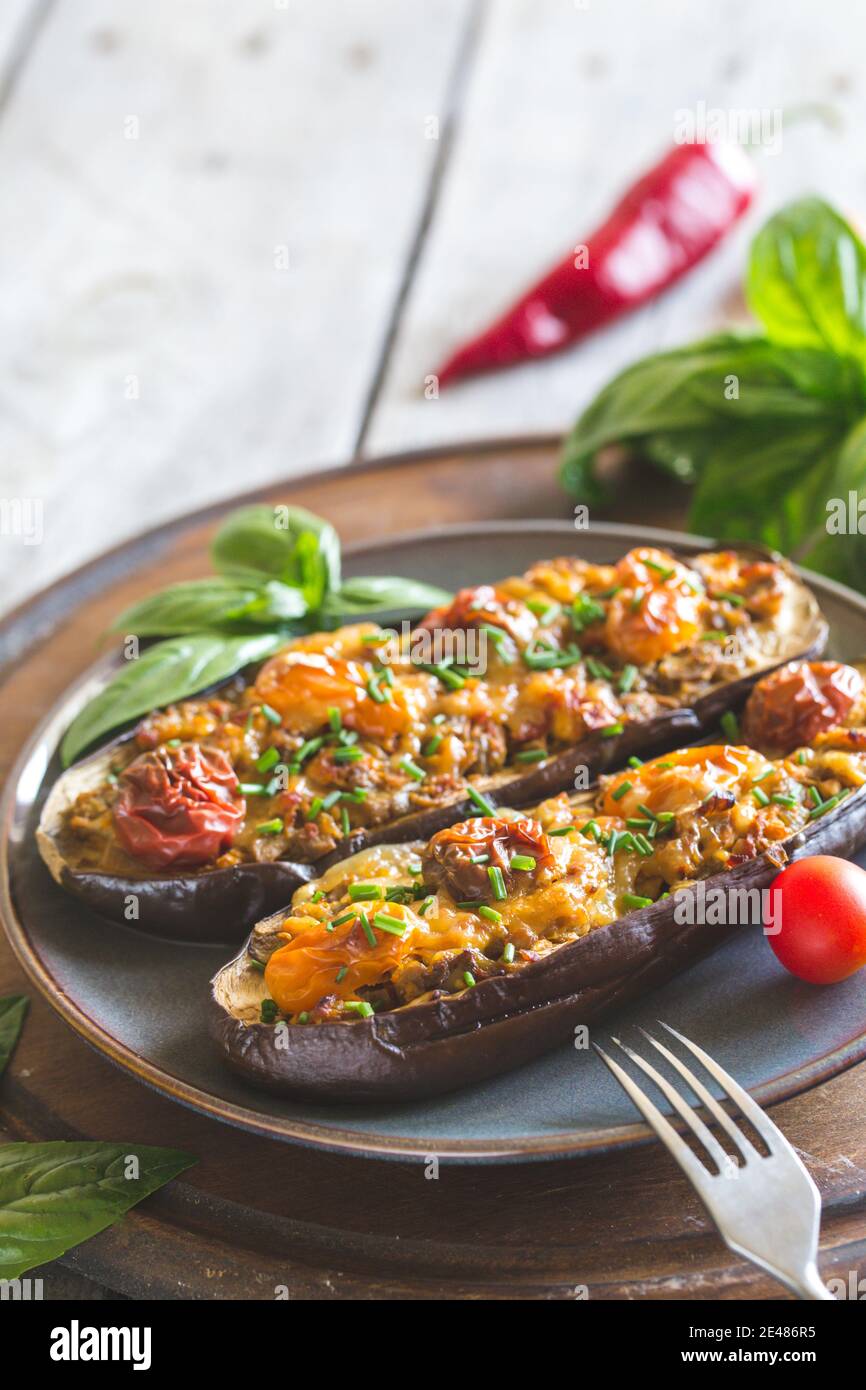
(236, 236)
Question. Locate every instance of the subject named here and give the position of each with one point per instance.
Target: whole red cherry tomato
(818, 908)
(178, 806)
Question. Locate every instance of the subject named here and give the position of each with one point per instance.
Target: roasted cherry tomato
(657, 608)
(316, 962)
(302, 686)
(681, 781)
(817, 919)
(794, 704)
(450, 860)
(178, 806)
(483, 606)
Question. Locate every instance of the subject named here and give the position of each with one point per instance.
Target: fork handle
(812, 1286)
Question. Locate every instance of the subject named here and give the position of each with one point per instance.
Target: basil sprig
(767, 427)
(57, 1194)
(278, 574)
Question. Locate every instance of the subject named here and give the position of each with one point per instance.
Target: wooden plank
(569, 102)
(209, 216)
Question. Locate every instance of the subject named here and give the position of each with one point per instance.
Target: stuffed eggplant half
(212, 811)
(412, 969)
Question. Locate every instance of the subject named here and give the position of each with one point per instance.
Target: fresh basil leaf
(165, 672)
(807, 279)
(680, 402)
(837, 545)
(203, 604)
(55, 1195)
(285, 543)
(12, 1011)
(767, 482)
(375, 595)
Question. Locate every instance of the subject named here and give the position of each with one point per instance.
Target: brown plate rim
(342, 1139)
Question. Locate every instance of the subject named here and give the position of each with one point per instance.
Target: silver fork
(767, 1208)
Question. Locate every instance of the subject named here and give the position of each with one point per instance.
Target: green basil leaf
(376, 595)
(767, 482)
(12, 1011)
(807, 279)
(55, 1195)
(837, 545)
(165, 672)
(202, 604)
(684, 398)
(285, 543)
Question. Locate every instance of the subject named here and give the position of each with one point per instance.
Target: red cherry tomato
(797, 702)
(178, 806)
(818, 908)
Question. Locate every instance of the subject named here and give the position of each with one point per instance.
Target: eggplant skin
(427, 1049)
(220, 905)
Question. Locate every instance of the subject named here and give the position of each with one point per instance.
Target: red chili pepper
(178, 806)
(666, 222)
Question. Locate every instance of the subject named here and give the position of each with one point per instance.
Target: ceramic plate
(142, 1002)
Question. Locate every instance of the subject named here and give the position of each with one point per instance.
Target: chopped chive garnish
(549, 614)
(315, 806)
(543, 657)
(252, 789)
(665, 817)
(635, 900)
(508, 952)
(344, 917)
(598, 670)
(643, 845)
(307, 749)
(267, 760)
(765, 772)
(592, 828)
(365, 892)
(330, 800)
(584, 611)
(173, 743)
(358, 1006)
(611, 731)
(442, 673)
(480, 858)
(479, 800)
(639, 822)
(801, 758)
(303, 1018)
(730, 725)
(530, 755)
(393, 925)
(345, 823)
(635, 761)
(627, 678)
(268, 1011)
(432, 746)
(270, 827)
(468, 979)
(524, 862)
(438, 719)
(561, 830)
(271, 714)
(622, 790)
(256, 965)
(637, 600)
(784, 800)
(412, 769)
(489, 913)
(347, 755)
(497, 883)
(760, 796)
(828, 804)
(645, 810)
(735, 599)
(374, 691)
(424, 907)
(664, 765)
(612, 843)
(317, 896)
(374, 639)
(715, 636)
(387, 675)
(342, 973)
(335, 719)
(815, 795)
(357, 794)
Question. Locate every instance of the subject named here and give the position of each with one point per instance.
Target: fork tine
(675, 1145)
(772, 1137)
(704, 1135)
(734, 1133)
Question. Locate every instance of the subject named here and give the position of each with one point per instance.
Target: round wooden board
(256, 1217)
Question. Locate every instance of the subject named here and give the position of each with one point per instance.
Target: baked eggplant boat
(212, 811)
(412, 969)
